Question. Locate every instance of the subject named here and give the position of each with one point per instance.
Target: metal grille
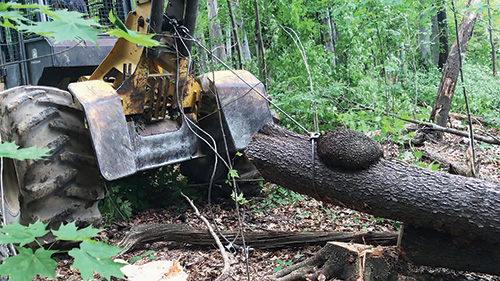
(9, 38)
(10, 45)
(160, 98)
(93, 8)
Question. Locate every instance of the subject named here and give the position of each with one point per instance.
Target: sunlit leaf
(26, 264)
(12, 150)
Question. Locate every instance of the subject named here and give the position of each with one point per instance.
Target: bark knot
(348, 149)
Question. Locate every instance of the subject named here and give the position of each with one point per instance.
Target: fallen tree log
(141, 234)
(429, 246)
(461, 206)
(466, 207)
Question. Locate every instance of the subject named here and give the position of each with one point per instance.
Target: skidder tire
(62, 187)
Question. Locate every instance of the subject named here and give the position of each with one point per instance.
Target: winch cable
(312, 135)
(245, 248)
(249, 85)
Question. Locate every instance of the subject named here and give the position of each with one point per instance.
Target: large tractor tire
(62, 187)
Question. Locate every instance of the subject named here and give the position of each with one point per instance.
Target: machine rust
(140, 108)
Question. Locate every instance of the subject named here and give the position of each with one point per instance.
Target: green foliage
(148, 255)
(122, 31)
(64, 25)
(154, 188)
(89, 256)
(16, 233)
(11, 150)
(26, 264)
(96, 256)
(281, 264)
(280, 196)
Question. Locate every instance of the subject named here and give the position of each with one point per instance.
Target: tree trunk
(345, 261)
(435, 48)
(329, 34)
(260, 45)
(465, 207)
(350, 262)
(451, 70)
(460, 207)
(245, 47)
(492, 43)
(234, 29)
(424, 37)
(215, 31)
(443, 34)
(426, 246)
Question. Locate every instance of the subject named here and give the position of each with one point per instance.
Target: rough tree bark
(442, 26)
(464, 207)
(442, 104)
(143, 233)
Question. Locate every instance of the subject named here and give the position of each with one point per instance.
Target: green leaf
(96, 256)
(12, 150)
(233, 174)
(134, 259)
(71, 232)
(135, 37)
(418, 154)
(26, 264)
(17, 233)
(67, 25)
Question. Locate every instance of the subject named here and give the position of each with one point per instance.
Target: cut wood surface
(345, 261)
(465, 207)
(260, 240)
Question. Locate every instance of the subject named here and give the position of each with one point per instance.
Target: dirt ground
(276, 210)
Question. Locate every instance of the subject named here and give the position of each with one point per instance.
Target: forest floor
(279, 210)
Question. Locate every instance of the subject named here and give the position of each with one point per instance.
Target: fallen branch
(225, 270)
(431, 126)
(452, 167)
(141, 234)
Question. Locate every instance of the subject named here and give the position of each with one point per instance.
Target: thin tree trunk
(237, 45)
(215, 31)
(245, 48)
(443, 35)
(492, 43)
(202, 54)
(424, 37)
(328, 34)
(442, 105)
(260, 44)
(229, 42)
(435, 48)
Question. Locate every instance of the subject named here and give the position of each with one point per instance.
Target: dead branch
(225, 270)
